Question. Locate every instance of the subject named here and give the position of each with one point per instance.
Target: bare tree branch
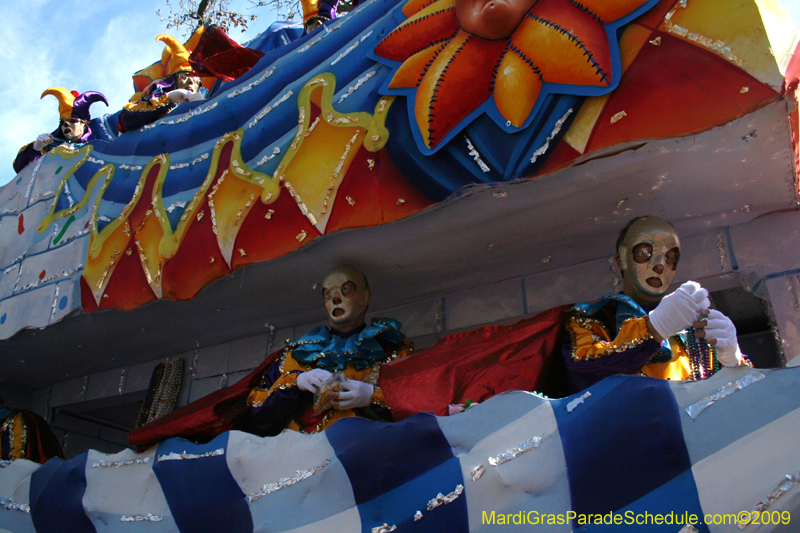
(188, 15)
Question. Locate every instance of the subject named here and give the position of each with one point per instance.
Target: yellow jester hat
(177, 56)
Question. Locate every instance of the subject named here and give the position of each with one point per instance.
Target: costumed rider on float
(163, 95)
(73, 130)
(645, 330)
(317, 12)
(331, 372)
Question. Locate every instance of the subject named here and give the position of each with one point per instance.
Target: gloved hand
(312, 380)
(41, 141)
(678, 310)
(354, 394)
(193, 97)
(179, 96)
(721, 332)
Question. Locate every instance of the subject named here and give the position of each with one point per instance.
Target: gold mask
(346, 296)
(648, 257)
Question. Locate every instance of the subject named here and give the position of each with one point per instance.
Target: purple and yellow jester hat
(72, 104)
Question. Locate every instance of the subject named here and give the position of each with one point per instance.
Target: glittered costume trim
(632, 333)
(287, 380)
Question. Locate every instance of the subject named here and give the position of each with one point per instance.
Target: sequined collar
(325, 349)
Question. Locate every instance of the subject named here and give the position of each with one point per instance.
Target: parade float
(478, 168)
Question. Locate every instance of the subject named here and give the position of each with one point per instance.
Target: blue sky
(82, 45)
(88, 45)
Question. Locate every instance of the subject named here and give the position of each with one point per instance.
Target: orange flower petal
(568, 45)
(517, 87)
(417, 34)
(411, 71)
(458, 81)
(609, 11)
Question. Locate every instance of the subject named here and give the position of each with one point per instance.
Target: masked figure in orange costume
(644, 329)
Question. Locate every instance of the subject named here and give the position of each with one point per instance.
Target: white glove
(312, 380)
(41, 141)
(678, 310)
(721, 332)
(355, 394)
(179, 96)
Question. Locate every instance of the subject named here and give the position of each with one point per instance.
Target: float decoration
(679, 72)
(504, 64)
(516, 451)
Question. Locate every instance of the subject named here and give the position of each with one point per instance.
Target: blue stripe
(399, 506)
(201, 493)
(622, 443)
(396, 468)
(672, 505)
(56, 496)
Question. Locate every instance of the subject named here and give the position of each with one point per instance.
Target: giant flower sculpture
(455, 59)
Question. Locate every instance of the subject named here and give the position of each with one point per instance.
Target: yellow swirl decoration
(311, 170)
(327, 147)
(66, 153)
(155, 240)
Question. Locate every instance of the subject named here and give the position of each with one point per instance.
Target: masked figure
(317, 12)
(644, 329)
(165, 94)
(73, 129)
(332, 371)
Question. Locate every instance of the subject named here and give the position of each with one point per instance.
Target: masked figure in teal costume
(332, 371)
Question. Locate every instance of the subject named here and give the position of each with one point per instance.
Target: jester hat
(72, 104)
(178, 55)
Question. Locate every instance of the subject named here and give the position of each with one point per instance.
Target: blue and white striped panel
(533, 483)
(200, 490)
(630, 446)
(625, 452)
(746, 443)
(15, 482)
(395, 470)
(56, 496)
(122, 491)
(293, 482)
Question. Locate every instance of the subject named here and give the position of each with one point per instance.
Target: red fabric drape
(476, 365)
(204, 419)
(218, 55)
(473, 365)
